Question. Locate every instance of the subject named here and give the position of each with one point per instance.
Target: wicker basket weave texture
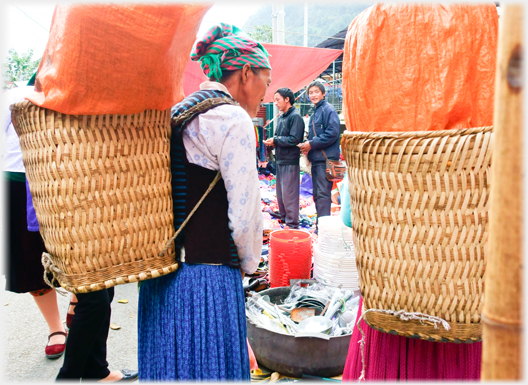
(102, 193)
(419, 205)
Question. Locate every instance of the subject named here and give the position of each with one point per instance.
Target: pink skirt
(393, 357)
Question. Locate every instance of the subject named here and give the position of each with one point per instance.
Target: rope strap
(213, 183)
(51, 268)
(403, 315)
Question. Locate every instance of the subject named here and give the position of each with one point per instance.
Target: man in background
(289, 133)
(322, 143)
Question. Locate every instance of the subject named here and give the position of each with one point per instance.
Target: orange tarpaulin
(293, 67)
(420, 67)
(116, 58)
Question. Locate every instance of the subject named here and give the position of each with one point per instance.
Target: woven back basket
(419, 209)
(102, 193)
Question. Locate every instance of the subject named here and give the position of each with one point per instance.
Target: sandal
(69, 317)
(57, 350)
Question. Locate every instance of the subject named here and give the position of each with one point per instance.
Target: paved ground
(25, 335)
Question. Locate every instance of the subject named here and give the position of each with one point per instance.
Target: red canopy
(293, 67)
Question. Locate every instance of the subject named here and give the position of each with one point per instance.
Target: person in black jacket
(289, 133)
(322, 143)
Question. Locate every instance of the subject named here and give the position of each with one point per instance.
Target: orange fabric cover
(116, 58)
(420, 67)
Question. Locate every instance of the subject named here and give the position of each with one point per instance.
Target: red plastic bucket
(290, 256)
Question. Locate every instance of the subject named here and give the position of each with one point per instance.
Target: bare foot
(115, 375)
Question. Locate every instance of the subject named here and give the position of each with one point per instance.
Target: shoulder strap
(197, 103)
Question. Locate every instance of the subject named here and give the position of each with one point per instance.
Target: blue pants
(322, 190)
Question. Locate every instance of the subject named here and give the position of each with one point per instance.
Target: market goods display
(290, 256)
(419, 203)
(101, 187)
(334, 255)
(296, 347)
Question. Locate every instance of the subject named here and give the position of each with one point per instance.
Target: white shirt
(223, 138)
(11, 151)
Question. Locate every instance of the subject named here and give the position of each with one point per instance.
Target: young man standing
(323, 136)
(289, 133)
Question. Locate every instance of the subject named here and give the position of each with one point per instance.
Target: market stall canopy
(337, 41)
(293, 67)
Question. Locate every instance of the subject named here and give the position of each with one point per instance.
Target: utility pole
(274, 12)
(280, 24)
(306, 24)
(277, 29)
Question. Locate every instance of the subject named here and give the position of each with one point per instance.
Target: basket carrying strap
(179, 121)
(213, 183)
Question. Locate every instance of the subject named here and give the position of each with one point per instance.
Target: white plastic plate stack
(334, 255)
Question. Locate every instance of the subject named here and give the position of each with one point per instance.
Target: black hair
(286, 93)
(317, 83)
(226, 74)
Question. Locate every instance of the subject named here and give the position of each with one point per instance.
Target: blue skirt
(192, 325)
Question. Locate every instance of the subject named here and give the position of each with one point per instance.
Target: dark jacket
(326, 123)
(289, 133)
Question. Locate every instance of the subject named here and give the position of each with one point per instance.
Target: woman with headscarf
(192, 323)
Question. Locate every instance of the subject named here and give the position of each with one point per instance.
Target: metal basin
(295, 356)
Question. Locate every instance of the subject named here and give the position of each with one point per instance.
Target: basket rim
(416, 134)
(21, 105)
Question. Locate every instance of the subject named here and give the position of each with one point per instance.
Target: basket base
(117, 275)
(458, 333)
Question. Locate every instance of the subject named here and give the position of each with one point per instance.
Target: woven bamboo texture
(419, 210)
(102, 193)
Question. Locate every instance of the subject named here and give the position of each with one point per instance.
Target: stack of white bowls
(334, 255)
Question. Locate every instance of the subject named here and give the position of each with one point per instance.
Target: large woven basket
(419, 209)
(102, 193)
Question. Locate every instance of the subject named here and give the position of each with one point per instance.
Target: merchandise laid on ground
(304, 292)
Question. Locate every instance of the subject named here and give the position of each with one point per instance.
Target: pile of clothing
(270, 207)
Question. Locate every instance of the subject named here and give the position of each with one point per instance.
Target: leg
(71, 310)
(47, 303)
(291, 178)
(279, 191)
(322, 190)
(24, 270)
(85, 355)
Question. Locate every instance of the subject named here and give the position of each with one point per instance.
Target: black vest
(206, 237)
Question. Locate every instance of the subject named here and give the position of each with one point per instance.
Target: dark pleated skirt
(24, 270)
(192, 326)
(391, 357)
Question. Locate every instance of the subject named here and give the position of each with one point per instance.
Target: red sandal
(57, 350)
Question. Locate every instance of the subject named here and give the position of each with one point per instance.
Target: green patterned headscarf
(226, 47)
